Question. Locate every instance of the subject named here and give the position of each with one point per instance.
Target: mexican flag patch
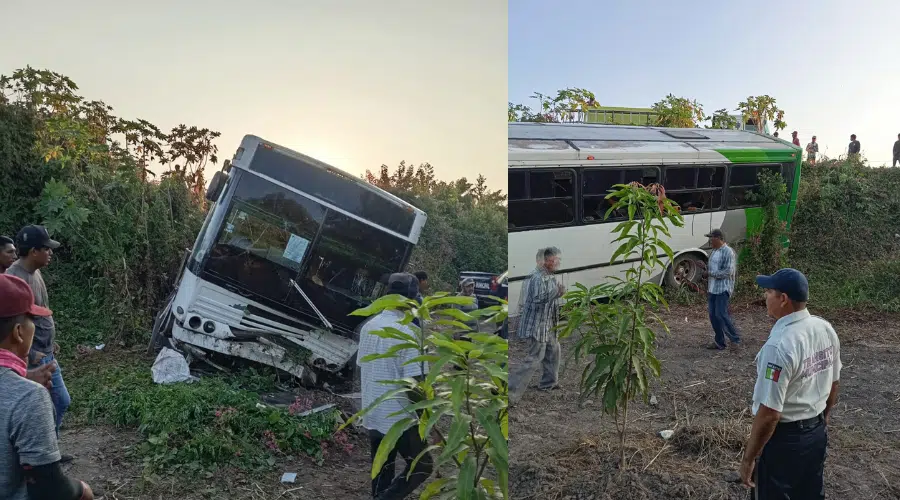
(773, 372)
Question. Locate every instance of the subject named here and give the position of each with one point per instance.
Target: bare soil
(562, 451)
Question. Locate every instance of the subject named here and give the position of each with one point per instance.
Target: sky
(831, 65)
(353, 83)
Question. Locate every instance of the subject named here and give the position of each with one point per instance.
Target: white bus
(290, 247)
(559, 175)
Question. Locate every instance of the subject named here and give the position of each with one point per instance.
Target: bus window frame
(622, 168)
(575, 197)
(723, 188)
(727, 198)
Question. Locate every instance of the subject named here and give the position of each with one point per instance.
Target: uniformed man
(796, 389)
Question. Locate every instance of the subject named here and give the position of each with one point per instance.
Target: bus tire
(686, 267)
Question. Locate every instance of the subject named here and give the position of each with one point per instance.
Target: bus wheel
(685, 269)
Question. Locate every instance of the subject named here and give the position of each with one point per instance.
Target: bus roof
(578, 141)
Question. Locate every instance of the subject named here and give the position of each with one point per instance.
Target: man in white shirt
(379, 421)
(796, 389)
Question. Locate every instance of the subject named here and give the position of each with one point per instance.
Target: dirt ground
(561, 451)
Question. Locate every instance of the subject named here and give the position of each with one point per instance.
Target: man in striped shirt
(538, 316)
(721, 272)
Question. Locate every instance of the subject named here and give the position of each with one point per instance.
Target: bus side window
(541, 198)
(695, 188)
(597, 184)
(744, 180)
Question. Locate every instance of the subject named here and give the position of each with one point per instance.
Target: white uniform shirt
(796, 367)
(384, 369)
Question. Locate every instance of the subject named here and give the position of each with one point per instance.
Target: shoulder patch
(773, 372)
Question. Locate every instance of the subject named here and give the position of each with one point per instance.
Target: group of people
(853, 149)
(33, 395)
(797, 369)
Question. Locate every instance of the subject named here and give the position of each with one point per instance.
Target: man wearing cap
(812, 149)
(380, 420)
(796, 390)
(35, 252)
(29, 453)
(721, 273)
(538, 316)
(467, 289)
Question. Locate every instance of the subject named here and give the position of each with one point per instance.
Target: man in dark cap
(381, 418)
(721, 273)
(796, 390)
(35, 249)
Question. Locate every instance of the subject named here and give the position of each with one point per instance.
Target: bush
(844, 234)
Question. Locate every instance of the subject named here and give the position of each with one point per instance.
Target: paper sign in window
(296, 248)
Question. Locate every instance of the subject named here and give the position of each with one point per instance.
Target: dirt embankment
(561, 451)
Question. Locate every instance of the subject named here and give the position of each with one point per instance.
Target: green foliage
(569, 105)
(761, 109)
(617, 334)
(123, 237)
(723, 120)
(678, 112)
(466, 382)
(844, 235)
(466, 229)
(764, 250)
(211, 423)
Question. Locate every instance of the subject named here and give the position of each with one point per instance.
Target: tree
(569, 105)
(466, 227)
(467, 381)
(616, 334)
(722, 120)
(678, 112)
(762, 109)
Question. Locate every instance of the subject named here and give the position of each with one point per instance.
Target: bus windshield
(271, 235)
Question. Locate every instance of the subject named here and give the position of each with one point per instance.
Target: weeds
(211, 423)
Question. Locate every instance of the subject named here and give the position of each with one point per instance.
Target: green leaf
(412, 466)
(456, 300)
(388, 443)
(434, 488)
(387, 302)
(387, 395)
(491, 426)
(459, 428)
(465, 486)
(390, 353)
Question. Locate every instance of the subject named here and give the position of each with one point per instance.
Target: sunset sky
(831, 65)
(353, 83)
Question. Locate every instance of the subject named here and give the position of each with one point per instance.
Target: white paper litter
(289, 477)
(170, 367)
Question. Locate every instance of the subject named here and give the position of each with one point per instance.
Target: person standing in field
(797, 375)
(795, 139)
(467, 289)
(35, 249)
(812, 149)
(896, 151)
(422, 276)
(380, 420)
(538, 316)
(7, 253)
(721, 273)
(853, 148)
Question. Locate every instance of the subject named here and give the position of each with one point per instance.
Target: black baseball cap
(790, 282)
(716, 233)
(35, 237)
(404, 284)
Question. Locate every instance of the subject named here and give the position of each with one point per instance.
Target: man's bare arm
(763, 427)
(832, 400)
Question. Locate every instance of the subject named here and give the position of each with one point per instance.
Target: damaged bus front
(290, 247)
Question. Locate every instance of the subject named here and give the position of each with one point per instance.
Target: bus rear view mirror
(215, 186)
